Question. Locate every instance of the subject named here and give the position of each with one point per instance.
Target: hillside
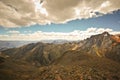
(38, 53)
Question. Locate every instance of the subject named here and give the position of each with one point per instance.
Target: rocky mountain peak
(105, 33)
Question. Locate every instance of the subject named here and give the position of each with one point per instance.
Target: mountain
(95, 58)
(58, 41)
(103, 45)
(38, 53)
(12, 44)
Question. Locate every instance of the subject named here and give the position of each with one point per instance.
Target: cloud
(13, 32)
(29, 12)
(39, 35)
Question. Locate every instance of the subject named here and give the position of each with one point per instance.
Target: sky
(57, 19)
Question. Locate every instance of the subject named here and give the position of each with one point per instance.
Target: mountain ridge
(99, 45)
(95, 58)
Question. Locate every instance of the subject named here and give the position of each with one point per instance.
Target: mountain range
(14, 44)
(95, 58)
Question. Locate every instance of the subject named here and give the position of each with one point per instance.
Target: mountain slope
(102, 45)
(38, 53)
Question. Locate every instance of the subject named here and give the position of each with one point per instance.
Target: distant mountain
(95, 58)
(12, 44)
(58, 41)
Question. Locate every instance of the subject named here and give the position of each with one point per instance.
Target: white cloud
(105, 4)
(29, 31)
(15, 13)
(14, 32)
(39, 35)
